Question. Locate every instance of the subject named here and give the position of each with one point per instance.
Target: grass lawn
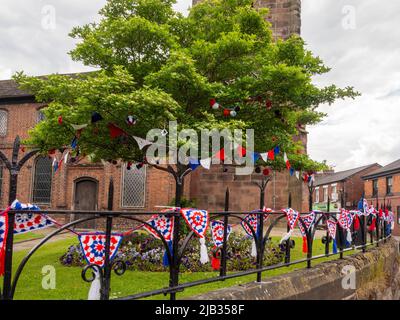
(28, 236)
(69, 284)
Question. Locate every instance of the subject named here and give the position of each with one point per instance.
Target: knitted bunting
(331, 225)
(308, 221)
(163, 224)
(292, 216)
(251, 218)
(94, 244)
(217, 232)
(345, 220)
(198, 221)
(25, 222)
(3, 237)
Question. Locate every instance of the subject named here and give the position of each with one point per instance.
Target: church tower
(284, 15)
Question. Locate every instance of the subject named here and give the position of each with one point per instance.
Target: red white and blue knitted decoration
(163, 224)
(217, 232)
(251, 218)
(292, 216)
(198, 221)
(3, 237)
(345, 219)
(331, 224)
(25, 222)
(94, 245)
(308, 221)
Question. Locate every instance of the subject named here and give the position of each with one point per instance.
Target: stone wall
(377, 278)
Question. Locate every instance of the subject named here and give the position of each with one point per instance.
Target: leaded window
(3, 122)
(133, 187)
(42, 180)
(40, 116)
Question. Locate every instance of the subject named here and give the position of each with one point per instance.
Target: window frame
(6, 124)
(375, 191)
(122, 202)
(317, 195)
(34, 180)
(389, 186)
(325, 193)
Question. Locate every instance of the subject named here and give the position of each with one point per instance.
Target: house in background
(382, 186)
(335, 185)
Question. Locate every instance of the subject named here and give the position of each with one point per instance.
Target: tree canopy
(157, 65)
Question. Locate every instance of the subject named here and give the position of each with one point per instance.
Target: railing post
(287, 246)
(105, 290)
(174, 268)
(328, 209)
(222, 271)
(260, 229)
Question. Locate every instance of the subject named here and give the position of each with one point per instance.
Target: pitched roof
(9, 89)
(391, 168)
(339, 176)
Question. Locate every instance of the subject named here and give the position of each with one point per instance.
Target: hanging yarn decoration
(198, 221)
(115, 131)
(331, 225)
(95, 287)
(165, 225)
(217, 232)
(215, 260)
(308, 221)
(214, 104)
(131, 120)
(96, 117)
(26, 222)
(3, 238)
(60, 120)
(356, 222)
(94, 244)
(345, 220)
(251, 218)
(292, 216)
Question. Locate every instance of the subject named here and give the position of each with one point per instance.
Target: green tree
(157, 65)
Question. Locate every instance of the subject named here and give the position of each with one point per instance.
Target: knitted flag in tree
(94, 245)
(163, 224)
(217, 232)
(25, 222)
(198, 221)
(292, 216)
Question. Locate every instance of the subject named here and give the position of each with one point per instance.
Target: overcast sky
(358, 39)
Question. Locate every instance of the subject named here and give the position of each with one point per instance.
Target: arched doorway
(85, 198)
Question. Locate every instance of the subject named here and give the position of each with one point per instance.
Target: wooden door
(85, 199)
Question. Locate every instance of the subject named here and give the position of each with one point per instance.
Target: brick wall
(392, 199)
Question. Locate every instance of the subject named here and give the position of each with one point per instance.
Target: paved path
(29, 244)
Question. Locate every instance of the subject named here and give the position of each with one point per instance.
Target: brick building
(383, 186)
(335, 185)
(85, 185)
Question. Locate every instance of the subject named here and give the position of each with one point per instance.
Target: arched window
(133, 187)
(41, 192)
(3, 123)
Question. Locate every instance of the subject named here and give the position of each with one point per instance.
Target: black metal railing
(119, 267)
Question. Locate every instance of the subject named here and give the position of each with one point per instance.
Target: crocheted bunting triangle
(3, 229)
(251, 218)
(217, 232)
(308, 221)
(94, 244)
(331, 224)
(197, 220)
(25, 222)
(292, 216)
(345, 219)
(163, 224)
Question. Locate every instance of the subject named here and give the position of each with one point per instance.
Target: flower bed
(143, 252)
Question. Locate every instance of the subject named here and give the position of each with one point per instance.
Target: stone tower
(284, 15)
